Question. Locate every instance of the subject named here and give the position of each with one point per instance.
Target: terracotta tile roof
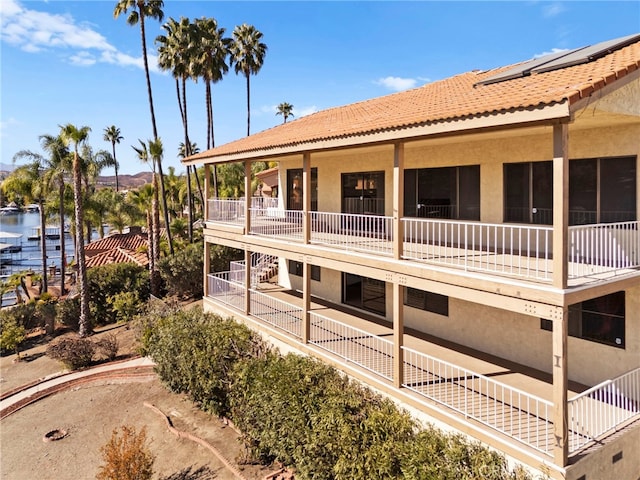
(457, 97)
(118, 255)
(128, 241)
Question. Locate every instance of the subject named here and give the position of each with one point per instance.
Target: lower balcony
(494, 394)
(595, 252)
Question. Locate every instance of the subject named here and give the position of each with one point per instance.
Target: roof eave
(545, 114)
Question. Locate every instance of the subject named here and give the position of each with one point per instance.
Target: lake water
(29, 256)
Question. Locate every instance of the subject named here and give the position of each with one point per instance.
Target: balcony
(595, 252)
(504, 397)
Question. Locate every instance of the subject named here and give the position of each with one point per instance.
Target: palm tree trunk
(43, 245)
(210, 139)
(84, 321)
(155, 129)
(63, 255)
(187, 149)
(155, 237)
(113, 147)
(248, 106)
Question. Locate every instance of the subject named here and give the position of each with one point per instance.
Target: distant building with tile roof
(118, 248)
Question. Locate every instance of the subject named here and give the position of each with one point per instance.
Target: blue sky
(72, 62)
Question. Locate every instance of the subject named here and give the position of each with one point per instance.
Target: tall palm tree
(112, 135)
(72, 134)
(151, 153)
(175, 54)
(57, 168)
(247, 56)
(286, 110)
(138, 10)
(91, 165)
(28, 181)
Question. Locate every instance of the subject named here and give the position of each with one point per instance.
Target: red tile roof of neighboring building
(118, 255)
(128, 241)
(455, 98)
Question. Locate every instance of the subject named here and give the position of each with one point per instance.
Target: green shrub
(73, 352)
(68, 312)
(194, 352)
(24, 314)
(107, 281)
(11, 336)
(125, 305)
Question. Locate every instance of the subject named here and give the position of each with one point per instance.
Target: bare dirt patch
(89, 413)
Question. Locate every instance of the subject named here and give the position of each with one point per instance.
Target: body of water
(24, 253)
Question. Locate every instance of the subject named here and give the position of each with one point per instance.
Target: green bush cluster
(303, 413)
(182, 271)
(196, 352)
(117, 291)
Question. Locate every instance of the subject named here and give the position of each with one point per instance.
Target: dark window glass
(294, 189)
(363, 193)
(295, 268)
(609, 181)
(447, 192)
(600, 320)
(365, 293)
(431, 302)
(546, 324)
(528, 191)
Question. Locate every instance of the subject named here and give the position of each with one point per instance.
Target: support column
(398, 200)
(207, 267)
(398, 334)
(207, 190)
(247, 197)
(306, 197)
(306, 301)
(247, 281)
(560, 386)
(560, 205)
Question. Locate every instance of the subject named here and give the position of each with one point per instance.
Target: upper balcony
(595, 252)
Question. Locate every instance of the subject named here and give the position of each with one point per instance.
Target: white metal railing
(518, 414)
(602, 408)
(362, 348)
(225, 210)
(277, 223)
(370, 233)
(604, 247)
(262, 268)
(520, 250)
(282, 315)
(227, 288)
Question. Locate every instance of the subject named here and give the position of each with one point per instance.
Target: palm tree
(139, 9)
(57, 167)
(112, 134)
(72, 134)
(152, 154)
(286, 110)
(91, 165)
(247, 55)
(28, 181)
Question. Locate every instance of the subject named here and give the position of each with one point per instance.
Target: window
(599, 320)
(447, 192)
(294, 189)
(365, 293)
(602, 190)
(363, 193)
(431, 302)
(528, 192)
(295, 268)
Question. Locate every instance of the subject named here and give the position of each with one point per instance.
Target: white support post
(560, 205)
(306, 301)
(398, 200)
(398, 334)
(560, 386)
(207, 190)
(247, 197)
(306, 197)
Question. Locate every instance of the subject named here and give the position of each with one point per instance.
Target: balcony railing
(602, 408)
(523, 251)
(520, 250)
(520, 415)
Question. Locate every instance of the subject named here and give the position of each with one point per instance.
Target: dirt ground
(91, 412)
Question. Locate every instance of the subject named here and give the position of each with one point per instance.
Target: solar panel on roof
(556, 61)
(588, 54)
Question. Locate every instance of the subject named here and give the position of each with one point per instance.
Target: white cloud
(304, 111)
(6, 124)
(34, 31)
(396, 84)
(553, 50)
(553, 9)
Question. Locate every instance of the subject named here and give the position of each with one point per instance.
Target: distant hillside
(126, 182)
